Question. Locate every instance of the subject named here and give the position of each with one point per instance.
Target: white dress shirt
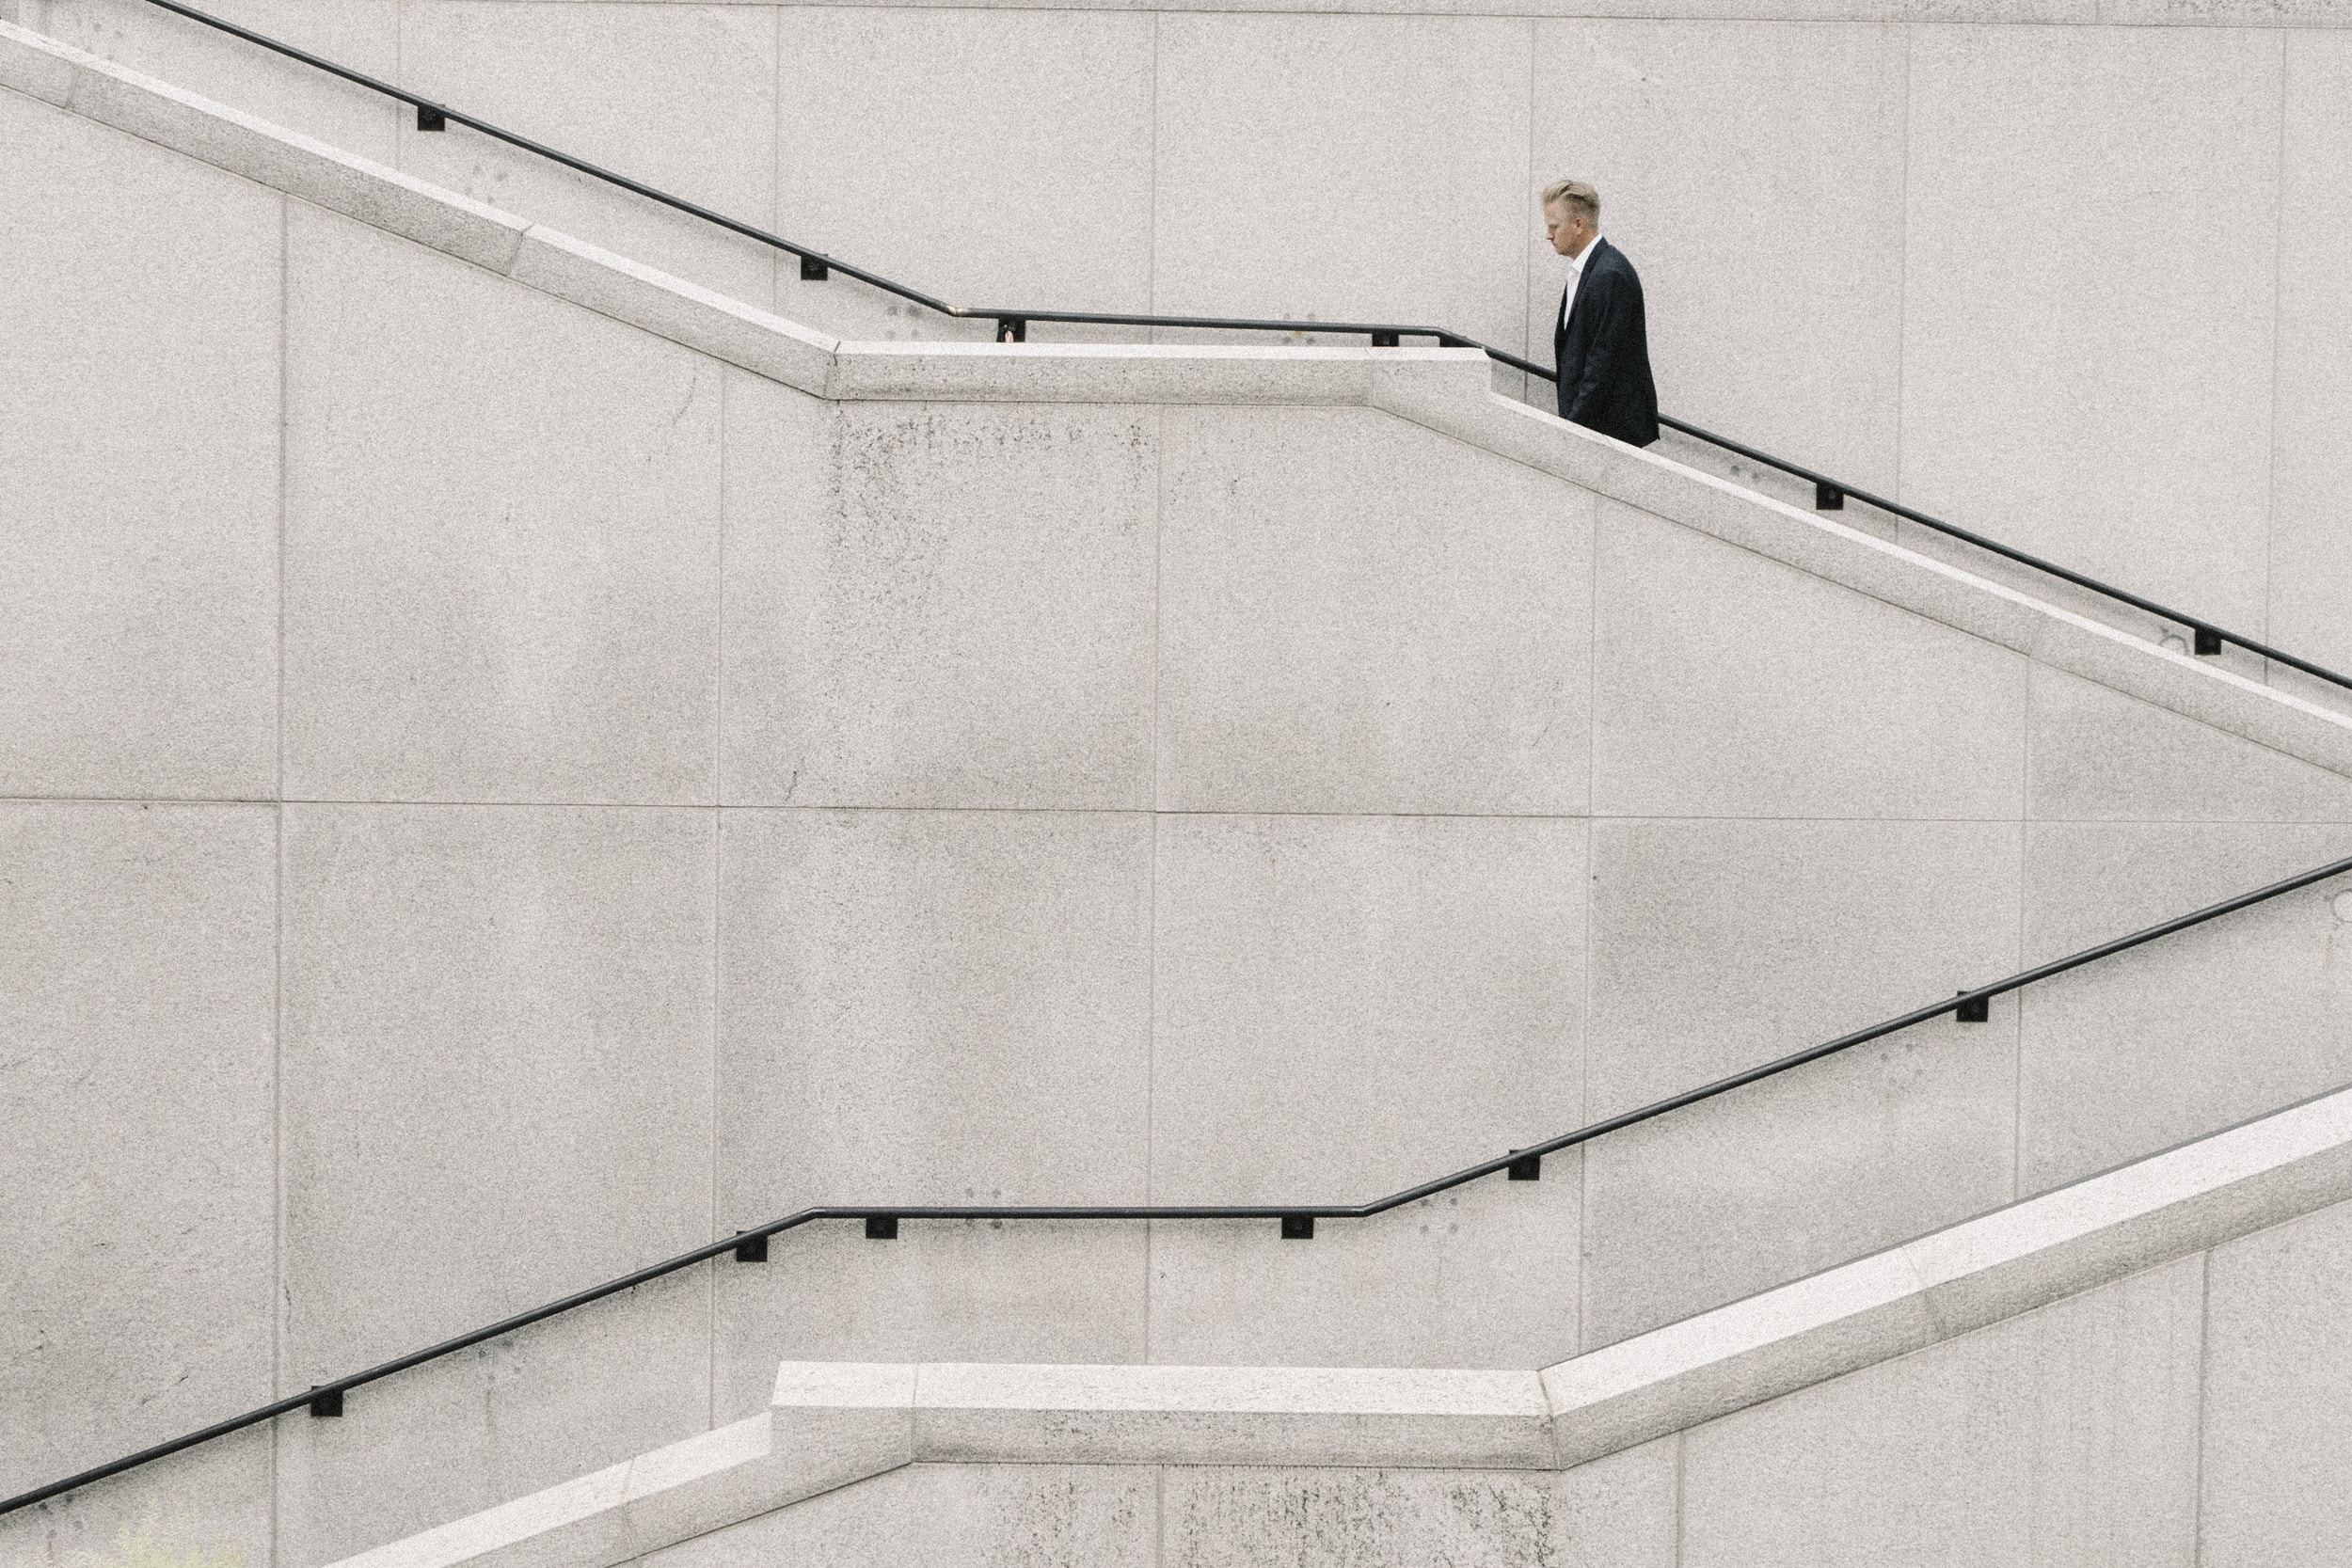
(1576, 276)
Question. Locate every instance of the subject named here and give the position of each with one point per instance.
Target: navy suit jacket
(1602, 349)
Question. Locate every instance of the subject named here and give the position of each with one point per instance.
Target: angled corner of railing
(1012, 326)
(1293, 1222)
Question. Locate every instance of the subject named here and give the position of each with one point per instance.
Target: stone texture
(2277, 1381)
(534, 1409)
(1754, 177)
(1720, 945)
(1314, 972)
(1617, 1514)
(2093, 754)
(1358, 614)
(937, 603)
(214, 1500)
(496, 1026)
(1472, 1278)
(985, 156)
(138, 956)
(1430, 1419)
(1254, 216)
(139, 483)
(1728, 685)
(681, 98)
(1312, 975)
(2199, 1031)
(2311, 571)
(953, 1515)
(2120, 371)
(934, 1008)
(2065, 1436)
(1955, 1281)
(501, 538)
(363, 34)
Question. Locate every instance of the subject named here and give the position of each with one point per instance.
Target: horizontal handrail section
(1012, 326)
(1297, 1220)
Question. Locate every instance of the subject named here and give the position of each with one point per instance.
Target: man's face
(1566, 230)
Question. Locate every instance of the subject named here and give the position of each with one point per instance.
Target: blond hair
(1577, 197)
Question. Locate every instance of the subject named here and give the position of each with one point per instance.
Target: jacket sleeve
(1606, 360)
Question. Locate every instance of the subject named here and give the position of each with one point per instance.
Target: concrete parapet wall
(518, 767)
(1929, 245)
(2033, 1385)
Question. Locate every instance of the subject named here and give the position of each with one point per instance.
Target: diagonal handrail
(1297, 1220)
(1012, 326)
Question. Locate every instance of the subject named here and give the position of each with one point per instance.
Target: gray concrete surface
(1809, 185)
(2031, 1386)
(498, 761)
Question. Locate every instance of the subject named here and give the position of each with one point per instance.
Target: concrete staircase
(642, 766)
(2049, 1376)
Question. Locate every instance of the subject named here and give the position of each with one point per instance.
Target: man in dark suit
(1598, 339)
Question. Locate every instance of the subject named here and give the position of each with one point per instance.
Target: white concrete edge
(832, 1423)
(1822, 546)
(1950, 1281)
(641, 1505)
(1447, 390)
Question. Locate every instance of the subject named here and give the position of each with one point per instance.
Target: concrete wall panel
(964, 1291)
(1358, 614)
(2087, 369)
(1726, 685)
(2277, 1381)
(1312, 975)
(2065, 1436)
(939, 604)
(1720, 945)
(2096, 754)
(2310, 505)
(681, 98)
(2208, 1028)
(138, 494)
(363, 34)
(983, 156)
(213, 1499)
(1616, 1513)
(1754, 177)
(137, 972)
(1481, 1276)
(938, 1008)
(1421, 215)
(954, 1516)
(503, 539)
(488, 1425)
(498, 1028)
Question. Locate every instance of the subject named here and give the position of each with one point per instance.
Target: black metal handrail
(1297, 1220)
(1012, 326)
